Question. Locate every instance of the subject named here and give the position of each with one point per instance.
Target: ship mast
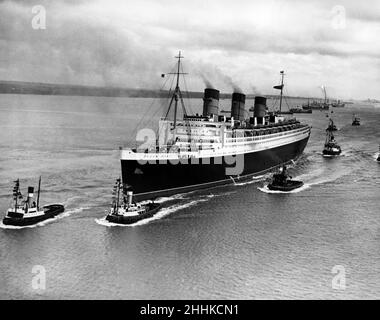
(177, 94)
(118, 194)
(282, 87)
(329, 135)
(324, 91)
(38, 194)
(16, 192)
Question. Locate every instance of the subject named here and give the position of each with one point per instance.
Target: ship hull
(150, 181)
(51, 211)
(289, 186)
(120, 219)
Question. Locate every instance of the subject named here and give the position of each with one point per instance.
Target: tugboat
(331, 147)
(127, 211)
(332, 126)
(28, 212)
(282, 182)
(355, 120)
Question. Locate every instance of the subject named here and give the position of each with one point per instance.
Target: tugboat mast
(118, 194)
(38, 194)
(16, 192)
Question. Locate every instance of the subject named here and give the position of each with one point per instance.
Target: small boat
(332, 126)
(338, 104)
(300, 110)
(126, 211)
(283, 182)
(331, 147)
(28, 212)
(355, 120)
(318, 104)
(378, 156)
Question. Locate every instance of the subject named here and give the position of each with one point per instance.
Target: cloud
(226, 44)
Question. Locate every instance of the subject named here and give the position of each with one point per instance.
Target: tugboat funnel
(30, 195)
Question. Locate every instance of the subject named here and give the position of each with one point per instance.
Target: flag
(279, 87)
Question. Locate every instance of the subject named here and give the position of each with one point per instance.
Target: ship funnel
(30, 191)
(210, 102)
(30, 196)
(259, 109)
(238, 106)
(129, 197)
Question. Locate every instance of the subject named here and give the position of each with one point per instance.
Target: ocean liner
(207, 150)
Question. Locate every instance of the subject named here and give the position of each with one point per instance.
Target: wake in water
(266, 189)
(253, 180)
(164, 211)
(65, 214)
(159, 215)
(316, 177)
(166, 199)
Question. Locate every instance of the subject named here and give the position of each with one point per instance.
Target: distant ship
(355, 120)
(337, 104)
(331, 147)
(316, 104)
(28, 212)
(202, 151)
(300, 110)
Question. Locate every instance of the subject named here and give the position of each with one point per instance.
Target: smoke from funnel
(207, 82)
(255, 91)
(234, 86)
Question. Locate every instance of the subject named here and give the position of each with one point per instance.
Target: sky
(227, 44)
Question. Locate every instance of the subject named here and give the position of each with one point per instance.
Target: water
(235, 242)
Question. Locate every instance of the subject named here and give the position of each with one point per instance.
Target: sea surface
(233, 242)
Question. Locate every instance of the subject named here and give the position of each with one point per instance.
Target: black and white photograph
(189, 150)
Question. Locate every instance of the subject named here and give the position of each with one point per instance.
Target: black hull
(160, 180)
(289, 186)
(133, 219)
(331, 153)
(301, 111)
(316, 108)
(50, 212)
